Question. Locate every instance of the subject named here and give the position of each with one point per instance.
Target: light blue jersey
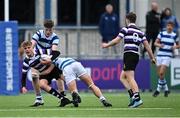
(61, 63)
(168, 40)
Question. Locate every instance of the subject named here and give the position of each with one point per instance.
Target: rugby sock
(38, 97)
(130, 93)
(136, 96)
(160, 85)
(55, 93)
(101, 98)
(165, 85)
(63, 93)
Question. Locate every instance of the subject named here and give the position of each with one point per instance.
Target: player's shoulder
(26, 60)
(40, 32)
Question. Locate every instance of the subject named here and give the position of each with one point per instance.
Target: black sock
(130, 93)
(55, 93)
(136, 96)
(63, 93)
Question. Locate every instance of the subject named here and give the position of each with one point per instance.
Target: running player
(33, 62)
(133, 37)
(167, 41)
(44, 42)
(73, 70)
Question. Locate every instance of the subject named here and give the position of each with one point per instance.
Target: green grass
(18, 106)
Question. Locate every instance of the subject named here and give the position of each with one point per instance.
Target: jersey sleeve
(176, 38)
(122, 32)
(26, 66)
(55, 40)
(159, 35)
(143, 37)
(36, 36)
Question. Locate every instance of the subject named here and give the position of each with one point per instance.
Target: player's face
(28, 50)
(48, 31)
(169, 28)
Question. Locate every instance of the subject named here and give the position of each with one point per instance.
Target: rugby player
(133, 37)
(167, 42)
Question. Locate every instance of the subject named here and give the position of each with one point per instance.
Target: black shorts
(130, 61)
(54, 74)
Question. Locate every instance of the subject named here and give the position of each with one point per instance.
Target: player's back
(61, 63)
(133, 37)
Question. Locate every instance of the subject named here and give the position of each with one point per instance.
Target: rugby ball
(45, 57)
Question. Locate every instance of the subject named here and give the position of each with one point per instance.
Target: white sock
(101, 98)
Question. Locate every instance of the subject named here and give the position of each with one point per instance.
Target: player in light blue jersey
(167, 41)
(73, 70)
(44, 42)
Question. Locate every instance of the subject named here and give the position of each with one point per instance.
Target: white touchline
(83, 109)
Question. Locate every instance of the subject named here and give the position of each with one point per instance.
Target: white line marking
(82, 109)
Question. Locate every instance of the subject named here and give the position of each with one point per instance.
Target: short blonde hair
(26, 43)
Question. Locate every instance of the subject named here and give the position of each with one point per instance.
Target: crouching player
(167, 41)
(73, 70)
(33, 62)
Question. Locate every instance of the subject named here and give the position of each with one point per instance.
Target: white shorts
(163, 61)
(73, 71)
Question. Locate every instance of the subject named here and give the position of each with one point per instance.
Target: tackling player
(73, 70)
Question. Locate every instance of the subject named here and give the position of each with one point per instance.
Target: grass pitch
(18, 106)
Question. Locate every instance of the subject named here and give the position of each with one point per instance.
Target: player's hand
(153, 61)
(45, 62)
(104, 45)
(162, 45)
(24, 90)
(174, 47)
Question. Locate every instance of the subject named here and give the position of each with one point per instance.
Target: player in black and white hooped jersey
(35, 63)
(132, 37)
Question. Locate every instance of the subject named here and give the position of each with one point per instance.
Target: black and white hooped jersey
(33, 62)
(133, 37)
(44, 43)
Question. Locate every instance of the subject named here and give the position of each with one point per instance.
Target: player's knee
(161, 74)
(35, 77)
(91, 85)
(42, 84)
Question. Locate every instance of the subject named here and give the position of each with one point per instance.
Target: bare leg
(97, 92)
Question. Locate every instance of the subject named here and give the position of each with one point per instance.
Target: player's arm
(157, 43)
(48, 70)
(33, 43)
(23, 83)
(55, 52)
(146, 45)
(176, 46)
(25, 69)
(112, 43)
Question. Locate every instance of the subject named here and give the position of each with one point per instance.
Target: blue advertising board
(9, 62)
(106, 74)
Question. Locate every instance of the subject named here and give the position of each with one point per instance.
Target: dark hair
(48, 23)
(26, 43)
(170, 23)
(131, 17)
